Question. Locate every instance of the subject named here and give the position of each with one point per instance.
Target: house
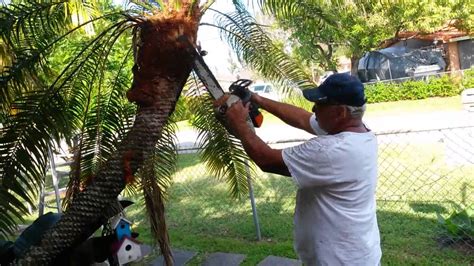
(415, 54)
(457, 45)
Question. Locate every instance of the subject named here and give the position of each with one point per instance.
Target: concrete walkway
(181, 257)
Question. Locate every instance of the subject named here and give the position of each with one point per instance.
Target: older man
(335, 221)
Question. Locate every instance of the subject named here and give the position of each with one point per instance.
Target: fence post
(41, 199)
(252, 202)
(54, 176)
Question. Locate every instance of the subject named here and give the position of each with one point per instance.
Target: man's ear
(345, 112)
(341, 112)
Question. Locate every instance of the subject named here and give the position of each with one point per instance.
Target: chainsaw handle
(240, 89)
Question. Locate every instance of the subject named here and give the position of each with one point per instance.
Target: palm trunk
(161, 70)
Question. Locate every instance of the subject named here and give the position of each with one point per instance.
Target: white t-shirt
(335, 219)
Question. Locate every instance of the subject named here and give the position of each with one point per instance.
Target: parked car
(266, 90)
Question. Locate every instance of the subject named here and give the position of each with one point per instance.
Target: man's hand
(236, 114)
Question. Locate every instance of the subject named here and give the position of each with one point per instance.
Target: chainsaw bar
(202, 70)
(205, 74)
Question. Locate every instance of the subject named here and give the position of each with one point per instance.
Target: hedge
(444, 86)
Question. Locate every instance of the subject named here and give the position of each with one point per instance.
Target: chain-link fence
(425, 190)
(430, 175)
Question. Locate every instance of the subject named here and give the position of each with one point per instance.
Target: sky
(218, 51)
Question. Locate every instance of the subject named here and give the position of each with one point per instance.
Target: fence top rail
(383, 133)
(396, 132)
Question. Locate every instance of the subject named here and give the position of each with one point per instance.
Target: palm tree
(48, 95)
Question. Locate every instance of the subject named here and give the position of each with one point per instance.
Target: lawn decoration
(122, 227)
(117, 244)
(128, 250)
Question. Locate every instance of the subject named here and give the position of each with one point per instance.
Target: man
(336, 172)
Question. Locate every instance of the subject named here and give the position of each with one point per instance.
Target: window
(259, 88)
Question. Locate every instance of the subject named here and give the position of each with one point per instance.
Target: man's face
(329, 116)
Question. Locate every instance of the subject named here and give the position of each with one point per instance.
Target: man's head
(339, 103)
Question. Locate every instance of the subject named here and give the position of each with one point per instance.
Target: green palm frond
(31, 37)
(25, 24)
(39, 119)
(252, 45)
(28, 34)
(26, 30)
(223, 153)
(283, 9)
(88, 98)
(25, 33)
(19, 77)
(10, 208)
(101, 113)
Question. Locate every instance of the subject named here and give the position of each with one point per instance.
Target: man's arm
(268, 159)
(292, 115)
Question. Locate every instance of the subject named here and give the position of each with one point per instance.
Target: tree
(47, 95)
(321, 27)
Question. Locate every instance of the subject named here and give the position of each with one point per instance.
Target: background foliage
(319, 28)
(443, 86)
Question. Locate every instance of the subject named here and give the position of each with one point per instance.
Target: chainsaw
(239, 89)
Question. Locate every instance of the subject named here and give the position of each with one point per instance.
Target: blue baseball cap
(338, 88)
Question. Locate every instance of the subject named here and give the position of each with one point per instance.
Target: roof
(449, 32)
(116, 246)
(116, 220)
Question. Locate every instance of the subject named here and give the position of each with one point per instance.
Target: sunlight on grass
(415, 106)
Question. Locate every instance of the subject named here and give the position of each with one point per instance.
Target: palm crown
(114, 95)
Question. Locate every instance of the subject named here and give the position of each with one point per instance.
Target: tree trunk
(86, 210)
(160, 73)
(354, 65)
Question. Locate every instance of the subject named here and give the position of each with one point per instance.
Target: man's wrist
(243, 130)
(256, 98)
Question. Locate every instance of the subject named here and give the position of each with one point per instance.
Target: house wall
(466, 53)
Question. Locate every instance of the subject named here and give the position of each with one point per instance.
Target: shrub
(468, 79)
(444, 86)
(459, 226)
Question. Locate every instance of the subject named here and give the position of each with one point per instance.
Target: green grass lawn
(202, 217)
(416, 106)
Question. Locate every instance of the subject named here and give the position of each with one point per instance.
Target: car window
(258, 88)
(268, 89)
